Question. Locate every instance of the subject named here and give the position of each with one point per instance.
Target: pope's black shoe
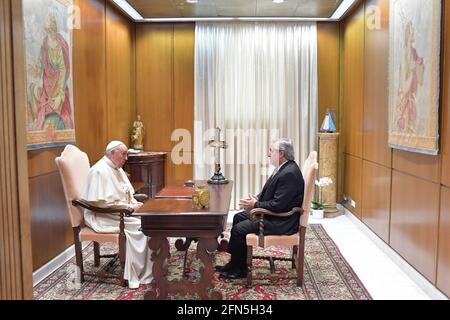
(234, 273)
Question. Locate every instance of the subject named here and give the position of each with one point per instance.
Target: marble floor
(383, 272)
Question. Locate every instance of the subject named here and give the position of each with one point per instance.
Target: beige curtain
(257, 82)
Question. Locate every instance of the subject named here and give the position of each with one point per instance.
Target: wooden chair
(295, 241)
(73, 165)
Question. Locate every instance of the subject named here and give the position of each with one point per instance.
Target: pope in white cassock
(107, 184)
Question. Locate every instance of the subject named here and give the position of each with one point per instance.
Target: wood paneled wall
(328, 53)
(414, 221)
(443, 269)
(120, 76)
(15, 239)
(352, 183)
(354, 83)
(89, 78)
(443, 257)
(376, 50)
(376, 198)
(103, 84)
(377, 156)
(353, 101)
(165, 88)
(165, 83)
(403, 194)
(328, 68)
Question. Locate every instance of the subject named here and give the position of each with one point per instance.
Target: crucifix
(218, 178)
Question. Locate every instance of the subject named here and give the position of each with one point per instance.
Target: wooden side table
(149, 168)
(328, 164)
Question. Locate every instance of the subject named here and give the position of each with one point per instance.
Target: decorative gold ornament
(200, 197)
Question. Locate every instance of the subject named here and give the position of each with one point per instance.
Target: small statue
(328, 123)
(138, 133)
(200, 197)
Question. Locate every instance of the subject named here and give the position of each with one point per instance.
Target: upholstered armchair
(73, 165)
(295, 241)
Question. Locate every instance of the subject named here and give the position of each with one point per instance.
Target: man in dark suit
(282, 192)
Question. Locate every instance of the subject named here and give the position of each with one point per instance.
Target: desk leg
(161, 251)
(184, 246)
(223, 244)
(204, 247)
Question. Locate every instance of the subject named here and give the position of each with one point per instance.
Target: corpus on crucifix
(218, 178)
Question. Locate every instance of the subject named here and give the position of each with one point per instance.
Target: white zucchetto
(114, 144)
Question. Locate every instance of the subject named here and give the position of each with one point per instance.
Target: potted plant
(317, 204)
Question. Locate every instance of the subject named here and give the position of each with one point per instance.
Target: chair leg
(122, 252)
(123, 282)
(78, 252)
(294, 256)
(96, 254)
(272, 265)
(249, 265)
(301, 257)
(300, 270)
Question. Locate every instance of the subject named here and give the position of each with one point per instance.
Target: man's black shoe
(234, 274)
(224, 268)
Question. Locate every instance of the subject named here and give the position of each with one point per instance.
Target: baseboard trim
(423, 283)
(53, 265)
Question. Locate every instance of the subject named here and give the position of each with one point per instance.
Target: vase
(317, 214)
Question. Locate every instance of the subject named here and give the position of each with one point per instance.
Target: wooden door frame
(17, 258)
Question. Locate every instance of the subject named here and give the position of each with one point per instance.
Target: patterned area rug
(327, 276)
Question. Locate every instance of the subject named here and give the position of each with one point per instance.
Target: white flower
(324, 182)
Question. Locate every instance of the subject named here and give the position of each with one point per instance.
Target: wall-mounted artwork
(414, 75)
(48, 47)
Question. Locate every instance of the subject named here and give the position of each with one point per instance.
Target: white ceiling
(234, 8)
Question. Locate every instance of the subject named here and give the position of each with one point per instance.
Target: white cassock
(107, 185)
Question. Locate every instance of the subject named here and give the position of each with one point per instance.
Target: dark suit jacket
(281, 193)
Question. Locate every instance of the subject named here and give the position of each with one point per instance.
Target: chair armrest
(127, 210)
(141, 197)
(264, 212)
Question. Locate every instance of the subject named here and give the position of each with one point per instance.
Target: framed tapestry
(48, 49)
(414, 75)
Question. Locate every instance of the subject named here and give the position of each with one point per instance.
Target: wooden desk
(149, 168)
(164, 218)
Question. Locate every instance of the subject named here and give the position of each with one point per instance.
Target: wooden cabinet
(149, 168)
